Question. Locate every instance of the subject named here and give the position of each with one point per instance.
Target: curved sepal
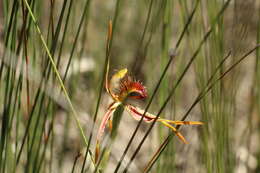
(137, 113)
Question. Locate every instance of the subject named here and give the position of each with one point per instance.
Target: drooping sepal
(137, 113)
(103, 124)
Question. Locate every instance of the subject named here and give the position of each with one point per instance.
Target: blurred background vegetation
(50, 127)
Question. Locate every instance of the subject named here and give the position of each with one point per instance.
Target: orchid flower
(121, 87)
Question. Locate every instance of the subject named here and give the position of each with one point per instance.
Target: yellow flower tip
(197, 123)
(192, 123)
(181, 137)
(186, 142)
(110, 29)
(113, 86)
(97, 151)
(120, 74)
(110, 125)
(178, 134)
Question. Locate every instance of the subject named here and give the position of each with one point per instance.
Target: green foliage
(117, 116)
(198, 59)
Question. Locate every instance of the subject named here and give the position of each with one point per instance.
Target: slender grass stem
(74, 113)
(177, 83)
(157, 87)
(203, 93)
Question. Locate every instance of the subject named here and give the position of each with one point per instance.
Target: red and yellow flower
(121, 87)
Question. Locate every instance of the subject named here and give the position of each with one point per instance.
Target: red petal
(105, 119)
(137, 113)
